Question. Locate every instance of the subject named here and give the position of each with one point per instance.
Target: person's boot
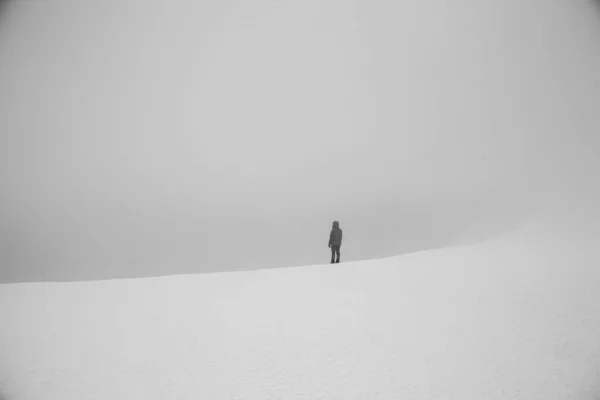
(337, 261)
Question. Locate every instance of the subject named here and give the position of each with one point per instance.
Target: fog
(143, 138)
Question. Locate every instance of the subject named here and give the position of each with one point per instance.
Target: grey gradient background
(142, 138)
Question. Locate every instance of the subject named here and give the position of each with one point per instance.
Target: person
(335, 241)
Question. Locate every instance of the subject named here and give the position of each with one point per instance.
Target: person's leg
(332, 254)
(337, 252)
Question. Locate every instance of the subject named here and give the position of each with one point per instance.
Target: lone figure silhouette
(335, 241)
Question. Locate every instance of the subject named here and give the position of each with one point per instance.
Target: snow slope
(517, 317)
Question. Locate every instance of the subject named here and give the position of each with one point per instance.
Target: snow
(516, 317)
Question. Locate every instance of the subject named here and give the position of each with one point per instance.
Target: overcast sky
(150, 137)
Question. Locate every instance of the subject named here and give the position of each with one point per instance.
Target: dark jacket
(335, 237)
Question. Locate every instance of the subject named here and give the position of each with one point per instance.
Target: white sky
(141, 138)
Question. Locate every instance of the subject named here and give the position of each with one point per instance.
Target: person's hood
(336, 225)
